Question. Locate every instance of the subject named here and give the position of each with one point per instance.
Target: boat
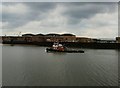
(60, 48)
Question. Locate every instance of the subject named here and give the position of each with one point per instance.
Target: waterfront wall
(85, 45)
(71, 44)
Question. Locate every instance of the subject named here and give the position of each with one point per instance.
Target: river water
(27, 65)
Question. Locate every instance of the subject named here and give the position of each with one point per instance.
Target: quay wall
(71, 44)
(85, 45)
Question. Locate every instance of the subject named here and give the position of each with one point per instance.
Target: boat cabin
(58, 46)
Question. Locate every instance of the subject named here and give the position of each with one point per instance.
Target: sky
(86, 19)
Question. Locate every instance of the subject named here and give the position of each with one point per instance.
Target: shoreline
(71, 44)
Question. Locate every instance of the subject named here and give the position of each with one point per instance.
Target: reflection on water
(57, 53)
(32, 66)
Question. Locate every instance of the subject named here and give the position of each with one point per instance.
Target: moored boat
(60, 48)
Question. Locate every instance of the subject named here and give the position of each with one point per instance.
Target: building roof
(39, 35)
(52, 34)
(67, 35)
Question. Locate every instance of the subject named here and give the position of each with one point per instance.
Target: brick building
(60, 38)
(84, 39)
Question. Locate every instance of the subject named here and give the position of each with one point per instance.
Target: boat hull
(67, 51)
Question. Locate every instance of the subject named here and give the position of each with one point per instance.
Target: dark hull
(67, 51)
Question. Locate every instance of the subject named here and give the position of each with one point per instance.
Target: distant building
(96, 40)
(6, 38)
(117, 39)
(13, 39)
(38, 39)
(84, 39)
(1, 39)
(60, 38)
(68, 37)
(104, 41)
(53, 37)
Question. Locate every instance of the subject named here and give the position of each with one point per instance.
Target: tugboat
(56, 47)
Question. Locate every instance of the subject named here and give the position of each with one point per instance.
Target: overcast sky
(98, 20)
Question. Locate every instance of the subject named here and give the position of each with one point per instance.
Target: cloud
(0, 12)
(94, 27)
(16, 9)
(14, 14)
(77, 11)
(0, 18)
(61, 1)
(82, 19)
(100, 26)
(19, 14)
